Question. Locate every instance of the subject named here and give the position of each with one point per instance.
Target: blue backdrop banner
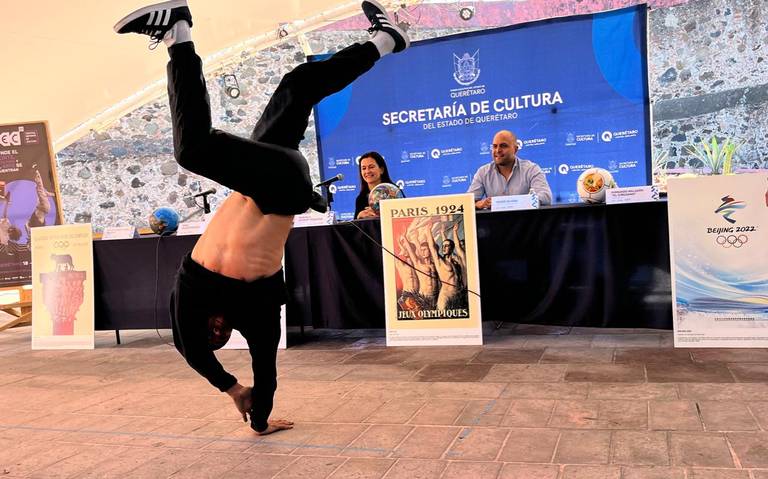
(574, 90)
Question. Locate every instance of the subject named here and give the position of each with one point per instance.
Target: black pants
(267, 167)
(200, 294)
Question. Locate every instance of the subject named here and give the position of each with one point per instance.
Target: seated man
(508, 175)
(233, 277)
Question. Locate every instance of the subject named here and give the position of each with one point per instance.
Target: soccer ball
(164, 221)
(383, 191)
(592, 184)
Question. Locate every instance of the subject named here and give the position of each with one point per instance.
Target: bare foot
(276, 425)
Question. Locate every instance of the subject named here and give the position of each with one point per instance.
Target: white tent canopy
(63, 63)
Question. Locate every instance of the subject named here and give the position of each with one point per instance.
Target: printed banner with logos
(718, 229)
(29, 196)
(62, 287)
(574, 90)
(431, 288)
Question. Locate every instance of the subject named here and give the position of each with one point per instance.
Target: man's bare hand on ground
(276, 425)
(242, 397)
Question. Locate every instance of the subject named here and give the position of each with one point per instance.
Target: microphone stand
(206, 205)
(328, 196)
(206, 208)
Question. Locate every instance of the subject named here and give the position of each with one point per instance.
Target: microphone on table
(205, 193)
(330, 180)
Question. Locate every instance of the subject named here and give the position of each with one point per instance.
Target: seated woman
(373, 172)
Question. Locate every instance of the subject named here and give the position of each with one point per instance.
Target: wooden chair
(20, 310)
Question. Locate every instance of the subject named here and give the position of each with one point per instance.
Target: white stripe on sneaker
(159, 18)
(151, 18)
(167, 17)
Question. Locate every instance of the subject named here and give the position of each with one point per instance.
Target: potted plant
(718, 157)
(659, 169)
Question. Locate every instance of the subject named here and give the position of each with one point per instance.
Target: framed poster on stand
(718, 228)
(431, 278)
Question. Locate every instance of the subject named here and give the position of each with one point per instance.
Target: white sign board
(515, 202)
(631, 194)
(118, 232)
(314, 218)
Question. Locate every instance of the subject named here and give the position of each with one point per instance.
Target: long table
(597, 265)
(133, 280)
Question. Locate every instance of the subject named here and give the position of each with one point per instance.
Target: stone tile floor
(534, 402)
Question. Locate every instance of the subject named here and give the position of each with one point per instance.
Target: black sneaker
(155, 20)
(380, 21)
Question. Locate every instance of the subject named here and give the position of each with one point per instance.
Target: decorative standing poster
(718, 229)
(431, 279)
(29, 196)
(62, 287)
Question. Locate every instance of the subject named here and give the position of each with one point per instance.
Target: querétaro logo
(728, 207)
(466, 68)
(435, 153)
(607, 136)
(400, 184)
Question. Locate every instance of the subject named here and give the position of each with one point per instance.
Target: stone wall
(707, 74)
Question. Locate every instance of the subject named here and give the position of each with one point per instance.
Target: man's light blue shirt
(526, 175)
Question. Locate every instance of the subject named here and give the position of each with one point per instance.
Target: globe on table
(592, 184)
(383, 191)
(164, 221)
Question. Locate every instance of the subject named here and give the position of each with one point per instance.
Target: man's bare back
(241, 242)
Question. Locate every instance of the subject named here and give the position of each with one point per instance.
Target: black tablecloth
(576, 265)
(592, 265)
(134, 278)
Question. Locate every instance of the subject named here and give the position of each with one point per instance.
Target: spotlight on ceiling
(402, 23)
(466, 13)
(231, 86)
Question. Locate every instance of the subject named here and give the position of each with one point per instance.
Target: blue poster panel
(574, 90)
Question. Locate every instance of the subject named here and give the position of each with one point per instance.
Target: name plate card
(314, 219)
(515, 202)
(191, 228)
(118, 232)
(631, 194)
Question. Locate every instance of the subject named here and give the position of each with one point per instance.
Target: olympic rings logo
(61, 244)
(732, 240)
